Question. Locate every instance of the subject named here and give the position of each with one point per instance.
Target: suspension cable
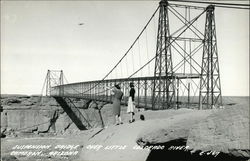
(127, 50)
(231, 7)
(212, 3)
(132, 43)
(188, 26)
(44, 84)
(190, 23)
(223, 5)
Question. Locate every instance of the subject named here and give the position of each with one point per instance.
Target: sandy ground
(8, 144)
(124, 136)
(115, 143)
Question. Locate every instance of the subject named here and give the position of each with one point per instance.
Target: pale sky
(41, 35)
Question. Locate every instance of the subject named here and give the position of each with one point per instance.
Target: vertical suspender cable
(139, 54)
(127, 50)
(116, 76)
(127, 66)
(121, 70)
(132, 55)
(147, 51)
(155, 29)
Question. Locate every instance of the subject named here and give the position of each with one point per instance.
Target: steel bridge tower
(54, 78)
(163, 95)
(210, 86)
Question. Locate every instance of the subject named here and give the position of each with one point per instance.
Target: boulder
(48, 101)
(45, 125)
(92, 116)
(226, 131)
(27, 103)
(93, 105)
(11, 101)
(173, 129)
(47, 119)
(62, 123)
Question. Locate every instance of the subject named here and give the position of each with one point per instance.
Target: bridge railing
(101, 90)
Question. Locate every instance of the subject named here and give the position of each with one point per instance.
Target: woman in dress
(131, 106)
(117, 97)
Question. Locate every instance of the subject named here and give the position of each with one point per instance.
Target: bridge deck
(175, 76)
(100, 90)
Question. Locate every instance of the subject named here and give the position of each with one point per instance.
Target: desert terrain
(37, 128)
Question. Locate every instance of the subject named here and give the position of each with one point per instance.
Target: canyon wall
(24, 115)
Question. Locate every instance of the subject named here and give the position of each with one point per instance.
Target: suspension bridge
(173, 62)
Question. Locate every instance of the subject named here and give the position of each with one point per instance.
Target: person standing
(117, 97)
(131, 106)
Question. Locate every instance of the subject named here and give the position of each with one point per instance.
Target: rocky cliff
(24, 115)
(207, 132)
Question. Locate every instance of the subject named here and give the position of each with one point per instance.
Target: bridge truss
(186, 61)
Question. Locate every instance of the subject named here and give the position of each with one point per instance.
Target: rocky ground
(184, 134)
